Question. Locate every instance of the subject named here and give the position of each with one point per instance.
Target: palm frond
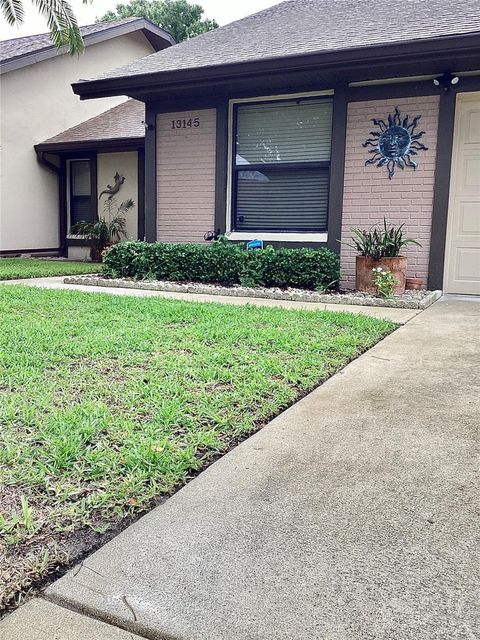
(62, 24)
(13, 11)
(126, 205)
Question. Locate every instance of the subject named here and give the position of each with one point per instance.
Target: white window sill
(280, 237)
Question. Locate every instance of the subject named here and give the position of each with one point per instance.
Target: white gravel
(409, 300)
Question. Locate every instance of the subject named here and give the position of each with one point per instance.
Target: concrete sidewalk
(400, 316)
(350, 516)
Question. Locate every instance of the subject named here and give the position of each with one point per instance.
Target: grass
(15, 268)
(107, 403)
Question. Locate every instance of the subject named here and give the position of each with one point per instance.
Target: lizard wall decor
(112, 190)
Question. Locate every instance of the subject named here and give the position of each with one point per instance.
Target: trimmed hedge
(225, 263)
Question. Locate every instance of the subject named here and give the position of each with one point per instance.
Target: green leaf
(13, 11)
(180, 18)
(225, 263)
(62, 24)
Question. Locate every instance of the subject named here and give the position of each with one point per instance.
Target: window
(281, 167)
(80, 192)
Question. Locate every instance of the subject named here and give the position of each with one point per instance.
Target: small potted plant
(384, 282)
(414, 284)
(105, 231)
(380, 248)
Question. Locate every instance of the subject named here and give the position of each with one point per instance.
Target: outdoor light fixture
(148, 127)
(445, 81)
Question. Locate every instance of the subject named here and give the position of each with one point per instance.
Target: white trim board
(280, 237)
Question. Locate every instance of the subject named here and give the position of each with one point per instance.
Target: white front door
(462, 250)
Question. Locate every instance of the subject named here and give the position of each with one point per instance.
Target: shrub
(225, 263)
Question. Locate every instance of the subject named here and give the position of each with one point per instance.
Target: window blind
(282, 166)
(80, 210)
(80, 177)
(80, 192)
(289, 201)
(290, 131)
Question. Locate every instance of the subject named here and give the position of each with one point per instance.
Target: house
(301, 121)
(86, 159)
(37, 104)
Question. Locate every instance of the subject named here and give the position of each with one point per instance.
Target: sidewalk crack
(124, 598)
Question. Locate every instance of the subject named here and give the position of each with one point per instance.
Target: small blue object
(255, 244)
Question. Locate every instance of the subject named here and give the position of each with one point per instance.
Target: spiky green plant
(107, 230)
(380, 243)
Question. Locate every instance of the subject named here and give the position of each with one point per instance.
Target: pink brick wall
(186, 175)
(369, 194)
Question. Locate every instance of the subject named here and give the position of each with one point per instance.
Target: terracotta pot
(364, 276)
(95, 254)
(414, 283)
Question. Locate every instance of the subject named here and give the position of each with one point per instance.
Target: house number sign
(394, 144)
(186, 123)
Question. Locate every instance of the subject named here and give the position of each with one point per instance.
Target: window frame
(233, 170)
(92, 159)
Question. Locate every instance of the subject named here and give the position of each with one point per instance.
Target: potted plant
(380, 248)
(384, 281)
(107, 230)
(415, 284)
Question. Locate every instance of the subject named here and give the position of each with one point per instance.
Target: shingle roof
(298, 27)
(30, 45)
(123, 121)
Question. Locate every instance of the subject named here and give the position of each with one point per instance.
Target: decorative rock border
(409, 300)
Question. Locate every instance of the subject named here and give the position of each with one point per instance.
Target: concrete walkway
(400, 316)
(350, 516)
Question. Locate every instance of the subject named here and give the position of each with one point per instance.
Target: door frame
(443, 166)
(460, 97)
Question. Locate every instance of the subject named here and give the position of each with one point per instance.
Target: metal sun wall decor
(395, 143)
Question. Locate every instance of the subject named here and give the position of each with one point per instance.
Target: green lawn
(15, 268)
(108, 402)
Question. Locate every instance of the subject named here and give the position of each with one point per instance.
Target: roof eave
(358, 57)
(154, 34)
(108, 144)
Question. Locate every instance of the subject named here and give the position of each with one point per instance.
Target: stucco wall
(37, 102)
(185, 176)
(369, 195)
(126, 164)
